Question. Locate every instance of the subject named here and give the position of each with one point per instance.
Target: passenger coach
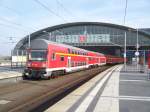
(46, 59)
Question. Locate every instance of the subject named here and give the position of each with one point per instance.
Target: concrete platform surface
(113, 90)
(88, 96)
(134, 91)
(8, 72)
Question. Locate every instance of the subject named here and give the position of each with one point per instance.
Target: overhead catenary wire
(11, 9)
(12, 22)
(64, 8)
(14, 27)
(17, 24)
(49, 10)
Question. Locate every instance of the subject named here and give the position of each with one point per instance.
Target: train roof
(42, 44)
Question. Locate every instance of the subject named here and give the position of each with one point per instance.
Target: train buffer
(113, 90)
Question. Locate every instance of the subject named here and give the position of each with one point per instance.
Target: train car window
(72, 64)
(61, 58)
(68, 50)
(76, 64)
(72, 52)
(79, 63)
(75, 52)
(82, 63)
(53, 56)
(89, 58)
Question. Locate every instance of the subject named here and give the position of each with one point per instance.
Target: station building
(100, 37)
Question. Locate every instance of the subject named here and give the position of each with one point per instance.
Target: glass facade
(99, 37)
(89, 35)
(91, 38)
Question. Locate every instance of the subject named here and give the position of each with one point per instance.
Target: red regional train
(47, 59)
(113, 59)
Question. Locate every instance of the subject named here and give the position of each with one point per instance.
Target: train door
(99, 61)
(69, 62)
(87, 62)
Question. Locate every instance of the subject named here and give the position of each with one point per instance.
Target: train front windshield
(37, 55)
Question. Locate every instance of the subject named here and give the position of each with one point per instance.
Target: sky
(19, 18)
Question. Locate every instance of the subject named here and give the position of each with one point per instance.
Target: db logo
(82, 38)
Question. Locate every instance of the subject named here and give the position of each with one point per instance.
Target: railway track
(39, 95)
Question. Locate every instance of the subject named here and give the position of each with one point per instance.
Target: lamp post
(125, 49)
(126, 4)
(137, 48)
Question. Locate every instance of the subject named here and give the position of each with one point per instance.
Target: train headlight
(29, 64)
(44, 65)
(27, 73)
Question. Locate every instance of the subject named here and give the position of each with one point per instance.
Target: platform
(8, 72)
(113, 90)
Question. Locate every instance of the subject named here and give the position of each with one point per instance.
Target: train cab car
(114, 59)
(46, 58)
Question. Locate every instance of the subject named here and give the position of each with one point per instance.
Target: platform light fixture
(49, 34)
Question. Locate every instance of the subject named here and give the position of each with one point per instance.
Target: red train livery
(113, 59)
(46, 58)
